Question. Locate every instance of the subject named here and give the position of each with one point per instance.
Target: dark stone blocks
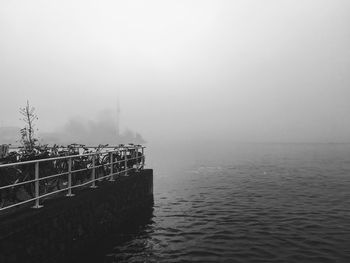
(66, 225)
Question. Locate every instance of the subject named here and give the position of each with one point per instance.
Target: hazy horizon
(189, 71)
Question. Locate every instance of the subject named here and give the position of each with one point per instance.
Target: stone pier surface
(66, 225)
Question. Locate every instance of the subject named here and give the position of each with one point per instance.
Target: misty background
(183, 71)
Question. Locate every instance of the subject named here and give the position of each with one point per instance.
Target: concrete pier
(66, 225)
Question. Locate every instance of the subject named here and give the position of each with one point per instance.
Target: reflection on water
(255, 203)
(132, 243)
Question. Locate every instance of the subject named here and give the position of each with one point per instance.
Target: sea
(236, 202)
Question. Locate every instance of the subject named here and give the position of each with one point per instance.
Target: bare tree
(29, 116)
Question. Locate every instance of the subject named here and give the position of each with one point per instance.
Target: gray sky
(248, 70)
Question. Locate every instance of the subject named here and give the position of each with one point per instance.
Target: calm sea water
(242, 203)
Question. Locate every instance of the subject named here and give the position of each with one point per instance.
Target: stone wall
(65, 225)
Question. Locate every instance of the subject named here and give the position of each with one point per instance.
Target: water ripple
(283, 207)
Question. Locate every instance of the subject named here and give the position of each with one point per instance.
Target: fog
(183, 71)
(91, 132)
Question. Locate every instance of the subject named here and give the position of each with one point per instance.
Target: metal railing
(32, 181)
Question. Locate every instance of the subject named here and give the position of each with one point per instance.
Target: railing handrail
(78, 146)
(136, 155)
(68, 156)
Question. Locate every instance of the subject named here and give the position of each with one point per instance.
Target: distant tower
(118, 115)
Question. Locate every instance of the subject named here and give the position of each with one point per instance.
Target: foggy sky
(243, 70)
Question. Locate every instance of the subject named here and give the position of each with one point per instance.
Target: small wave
(281, 207)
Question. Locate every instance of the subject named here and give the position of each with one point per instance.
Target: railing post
(126, 162)
(37, 185)
(111, 161)
(93, 175)
(70, 177)
(136, 158)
